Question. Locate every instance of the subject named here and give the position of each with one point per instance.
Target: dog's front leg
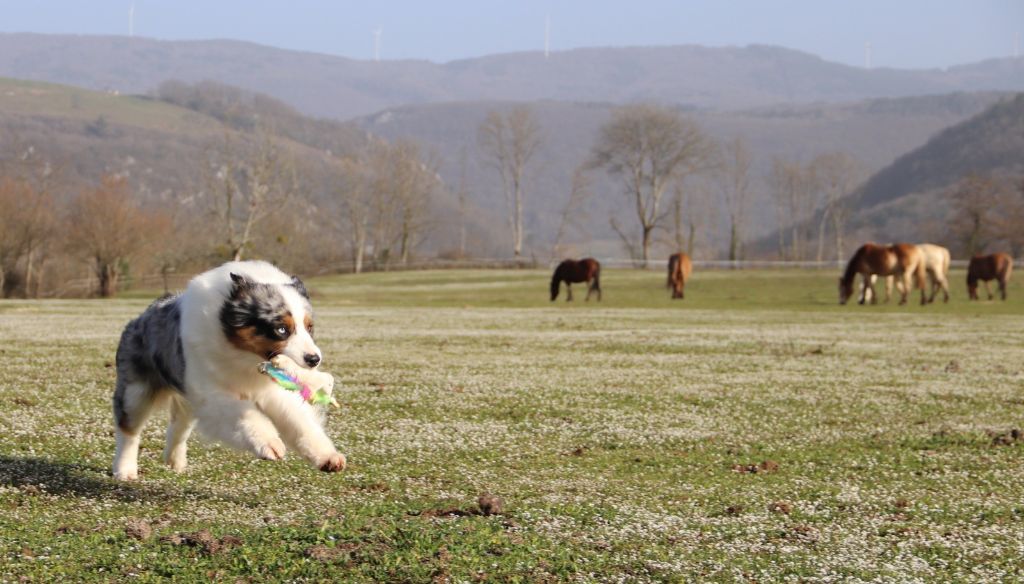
(298, 424)
(240, 424)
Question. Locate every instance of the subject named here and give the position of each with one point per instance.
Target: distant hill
(875, 132)
(165, 151)
(336, 87)
(157, 142)
(905, 201)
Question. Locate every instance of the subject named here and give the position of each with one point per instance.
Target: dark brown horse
(902, 260)
(679, 269)
(575, 271)
(989, 267)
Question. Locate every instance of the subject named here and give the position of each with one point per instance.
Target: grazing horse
(575, 271)
(989, 267)
(679, 269)
(936, 266)
(902, 260)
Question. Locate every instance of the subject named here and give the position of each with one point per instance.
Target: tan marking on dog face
(250, 339)
(308, 322)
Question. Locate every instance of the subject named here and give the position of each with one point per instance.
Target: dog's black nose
(312, 359)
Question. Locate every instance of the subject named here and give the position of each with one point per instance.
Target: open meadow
(754, 431)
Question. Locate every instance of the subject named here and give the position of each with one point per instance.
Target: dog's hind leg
(178, 431)
(133, 402)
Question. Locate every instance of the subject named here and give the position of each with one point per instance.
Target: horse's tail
(556, 282)
(596, 285)
(671, 269)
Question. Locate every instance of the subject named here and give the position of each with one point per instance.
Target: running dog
(198, 353)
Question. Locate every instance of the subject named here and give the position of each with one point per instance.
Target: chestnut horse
(575, 271)
(989, 267)
(902, 260)
(936, 265)
(679, 269)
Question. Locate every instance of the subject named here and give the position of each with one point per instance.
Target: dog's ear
(300, 287)
(240, 283)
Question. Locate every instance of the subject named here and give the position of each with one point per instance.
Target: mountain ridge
(331, 86)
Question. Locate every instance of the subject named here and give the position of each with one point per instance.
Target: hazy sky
(902, 33)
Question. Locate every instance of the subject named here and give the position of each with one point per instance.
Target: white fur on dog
(225, 396)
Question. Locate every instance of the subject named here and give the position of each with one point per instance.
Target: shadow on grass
(41, 475)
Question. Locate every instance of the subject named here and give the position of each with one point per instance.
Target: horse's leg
(1002, 288)
(568, 292)
(868, 289)
(987, 289)
(888, 288)
(905, 279)
(590, 289)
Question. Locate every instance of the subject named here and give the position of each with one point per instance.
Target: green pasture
(755, 431)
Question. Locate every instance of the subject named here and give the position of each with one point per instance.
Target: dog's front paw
(334, 463)
(272, 450)
(126, 475)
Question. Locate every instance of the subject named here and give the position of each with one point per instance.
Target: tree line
(675, 181)
(256, 192)
(252, 197)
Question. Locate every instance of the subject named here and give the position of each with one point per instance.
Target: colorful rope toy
(314, 386)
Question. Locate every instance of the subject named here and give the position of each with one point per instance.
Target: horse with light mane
(679, 269)
(936, 266)
(902, 260)
(997, 266)
(572, 272)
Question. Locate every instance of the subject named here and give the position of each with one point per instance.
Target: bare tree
(793, 187)
(354, 206)
(974, 200)
(837, 174)
(28, 222)
(416, 183)
(691, 209)
(108, 228)
(574, 212)
(1009, 225)
(734, 183)
(508, 144)
(462, 195)
(245, 188)
(648, 147)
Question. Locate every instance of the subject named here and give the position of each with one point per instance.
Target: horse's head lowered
(556, 283)
(845, 290)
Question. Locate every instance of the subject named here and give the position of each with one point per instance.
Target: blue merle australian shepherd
(198, 354)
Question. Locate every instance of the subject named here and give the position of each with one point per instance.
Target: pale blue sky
(902, 33)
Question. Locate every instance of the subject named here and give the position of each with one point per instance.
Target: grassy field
(756, 431)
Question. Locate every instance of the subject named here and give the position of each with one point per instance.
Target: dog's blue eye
(281, 331)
